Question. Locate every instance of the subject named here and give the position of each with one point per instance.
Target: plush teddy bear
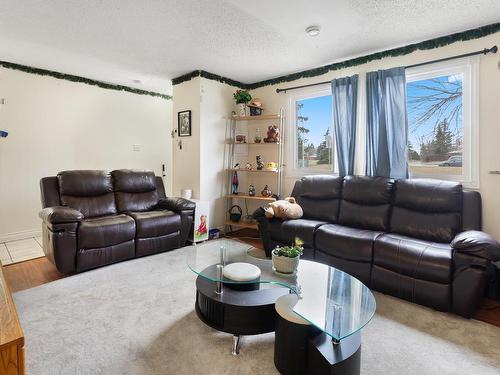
(273, 134)
(285, 209)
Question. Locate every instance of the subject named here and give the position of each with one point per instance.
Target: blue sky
(319, 111)
(425, 130)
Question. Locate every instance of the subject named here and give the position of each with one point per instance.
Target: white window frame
(469, 68)
(291, 165)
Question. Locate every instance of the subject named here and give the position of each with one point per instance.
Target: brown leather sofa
(418, 239)
(94, 218)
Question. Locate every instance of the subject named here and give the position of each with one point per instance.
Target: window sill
(466, 183)
(300, 173)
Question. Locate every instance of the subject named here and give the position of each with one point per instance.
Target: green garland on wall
(401, 51)
(208, 75)
(73, 78)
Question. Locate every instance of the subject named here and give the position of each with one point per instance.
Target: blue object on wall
(3, 134)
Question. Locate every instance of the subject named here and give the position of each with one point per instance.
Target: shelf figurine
(248, 166)
(266, 192)
(271, 166)
(260, 163)
(257, 137)
(251, 191)
(234, 183)
(273, 134)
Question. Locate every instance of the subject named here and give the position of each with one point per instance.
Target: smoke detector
(313, 30)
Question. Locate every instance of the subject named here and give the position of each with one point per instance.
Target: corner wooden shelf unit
(250, 197)
(253, 170)
(275, 174)
(257, 118)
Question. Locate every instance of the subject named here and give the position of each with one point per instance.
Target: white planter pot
(283, 264)
(241, 109)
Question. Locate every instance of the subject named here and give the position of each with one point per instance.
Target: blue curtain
(387, 124)
(345, 98)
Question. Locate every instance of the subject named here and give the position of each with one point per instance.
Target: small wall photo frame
(184, 123)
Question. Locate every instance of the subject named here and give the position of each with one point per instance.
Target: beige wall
(216, 104)
(489, 125)
(56, 125)
(186, 160)
(199, 165)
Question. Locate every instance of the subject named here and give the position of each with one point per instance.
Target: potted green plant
(286, 259)
(242, 97)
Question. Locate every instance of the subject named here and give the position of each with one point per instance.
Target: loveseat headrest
(84, 183)
(133, 181)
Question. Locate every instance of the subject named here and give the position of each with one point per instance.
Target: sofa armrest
(176, 204)
(477, 243)
(60, 215)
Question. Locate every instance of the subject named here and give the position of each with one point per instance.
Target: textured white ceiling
(120, 41)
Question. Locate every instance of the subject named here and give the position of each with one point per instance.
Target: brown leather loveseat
(418, 239)
(93, 218)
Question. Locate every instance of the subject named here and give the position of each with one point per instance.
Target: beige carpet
(137, 317)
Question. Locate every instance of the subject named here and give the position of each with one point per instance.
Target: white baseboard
(22, 235)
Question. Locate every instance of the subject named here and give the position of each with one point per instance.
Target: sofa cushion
(156, 223)
(427, 209)
(135, 190)
(105, 231)
(319, 197)
(286, 231)
(366, 202)
(418, 259)
(88, 191)
(345, 242)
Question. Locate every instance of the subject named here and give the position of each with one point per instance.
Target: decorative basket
(235, 216)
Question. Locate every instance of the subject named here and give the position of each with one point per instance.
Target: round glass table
(331, 300)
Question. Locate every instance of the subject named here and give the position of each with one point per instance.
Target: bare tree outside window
(313, 130)
(435, 125)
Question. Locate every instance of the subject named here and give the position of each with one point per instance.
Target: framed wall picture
(184, 123)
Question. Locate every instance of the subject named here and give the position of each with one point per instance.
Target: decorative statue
(257, 138)
(260, 163)
(251, 191)
(271, 166)
(241, 139)
(234, 183)
(273, 134)
(248, 166)
(266, 192)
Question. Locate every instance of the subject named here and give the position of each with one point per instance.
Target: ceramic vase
(285, 265)
(241, 109)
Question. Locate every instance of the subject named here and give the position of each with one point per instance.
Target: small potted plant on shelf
(242, 97)
(286, 259)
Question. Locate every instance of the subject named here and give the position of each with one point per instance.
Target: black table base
(237, 312)
(303, 349)
(299, 348)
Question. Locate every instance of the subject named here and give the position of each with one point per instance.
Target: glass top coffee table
(335, 302)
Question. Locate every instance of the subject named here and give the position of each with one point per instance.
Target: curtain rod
(485, 51)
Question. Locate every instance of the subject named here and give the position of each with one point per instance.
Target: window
(312, 133)
(442, 124)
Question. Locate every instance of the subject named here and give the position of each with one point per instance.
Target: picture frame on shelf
(184, 123)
